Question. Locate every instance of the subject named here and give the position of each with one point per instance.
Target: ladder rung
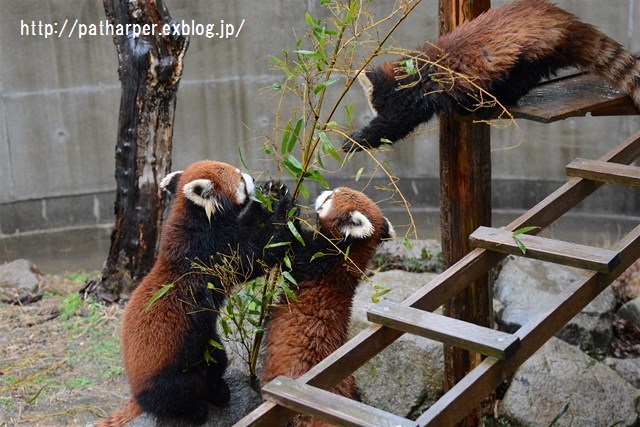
(331, 407)
(448, 330)
(612, 173)
(556, 251)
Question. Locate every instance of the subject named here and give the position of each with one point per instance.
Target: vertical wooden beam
(465, 204)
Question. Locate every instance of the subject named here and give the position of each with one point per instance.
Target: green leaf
(287, 261)
(309, 54)
(215, 344)
(241, 154)
(163, 290)
(407, 243)
(292, 166)
(315, 175)
(359, 173)
(287, 275)
(275, 245)
(349, 111)
(225, 327)
(295, 232)
(316, 255)
(327, 147)
(286, 289)
(323, 85)
(520, 231)
(524, 230)
(303, 190)
(380, 291)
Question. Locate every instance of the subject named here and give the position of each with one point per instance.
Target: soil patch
(60, 358)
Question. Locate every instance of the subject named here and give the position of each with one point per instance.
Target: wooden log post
(465, 204)
(150, 67)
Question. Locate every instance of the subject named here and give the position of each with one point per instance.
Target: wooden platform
(572, 95)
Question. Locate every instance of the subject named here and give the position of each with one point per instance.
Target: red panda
(505, 52)
(305, 331)
(214, 217)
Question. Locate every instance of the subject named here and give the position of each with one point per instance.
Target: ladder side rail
(374, 339)
(533, 335)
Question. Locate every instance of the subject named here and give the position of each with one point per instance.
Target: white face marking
(167, 179)
(359, 227)
(245, 188)
(392, 231)
(367, 86)
(200, 192)
(323, 203)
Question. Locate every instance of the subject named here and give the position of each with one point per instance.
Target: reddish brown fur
(163, 346)
(307, 330)
(530, 30)
(498, 56)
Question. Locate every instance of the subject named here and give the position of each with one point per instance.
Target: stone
(630, 311)
(423, 256)
(560, 374)
(629, 369)
(20, 281)
(526, 288)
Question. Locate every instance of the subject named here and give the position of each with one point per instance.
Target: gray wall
(60, 99)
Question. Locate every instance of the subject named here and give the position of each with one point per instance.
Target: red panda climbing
(164, 342)
(305, 331)
(505, 52)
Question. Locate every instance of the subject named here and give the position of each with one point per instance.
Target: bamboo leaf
(159, 294)
(315, 175)
(380, 291)
(289, 277)
(295, 232)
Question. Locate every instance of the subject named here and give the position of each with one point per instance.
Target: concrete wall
(60, 99)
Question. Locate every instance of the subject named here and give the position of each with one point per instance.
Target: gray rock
(19, 280)
(630, 312)
(629, 369)
(408, 376)
(527, 287)
(424, 256)
(560, 374)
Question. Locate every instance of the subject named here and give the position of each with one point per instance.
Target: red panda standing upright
(164, 342)
(305, 331)
(505, 52)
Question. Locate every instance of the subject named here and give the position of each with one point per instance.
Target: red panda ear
(388, 231)
(202, 193)
(367, 86)
(170, 182)
(357, 225)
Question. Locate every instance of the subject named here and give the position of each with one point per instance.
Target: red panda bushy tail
(605, 57)
(122, 416)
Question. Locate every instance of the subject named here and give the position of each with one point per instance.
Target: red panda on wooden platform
(214, 218)
(504, 53)
(305, 331)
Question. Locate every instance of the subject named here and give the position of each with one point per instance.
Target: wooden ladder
(504, 352)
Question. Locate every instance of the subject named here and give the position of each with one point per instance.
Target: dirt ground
(60, 358)
(60, 361)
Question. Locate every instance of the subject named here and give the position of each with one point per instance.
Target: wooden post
(465, 204)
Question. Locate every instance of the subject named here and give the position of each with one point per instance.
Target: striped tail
(122, 416)
(595, 51)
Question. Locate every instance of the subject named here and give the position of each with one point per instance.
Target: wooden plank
(358, 350)
(611, 173)
(551, 250)
(330, 407)
(454, 332)
(533, 335)
(572, 96)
